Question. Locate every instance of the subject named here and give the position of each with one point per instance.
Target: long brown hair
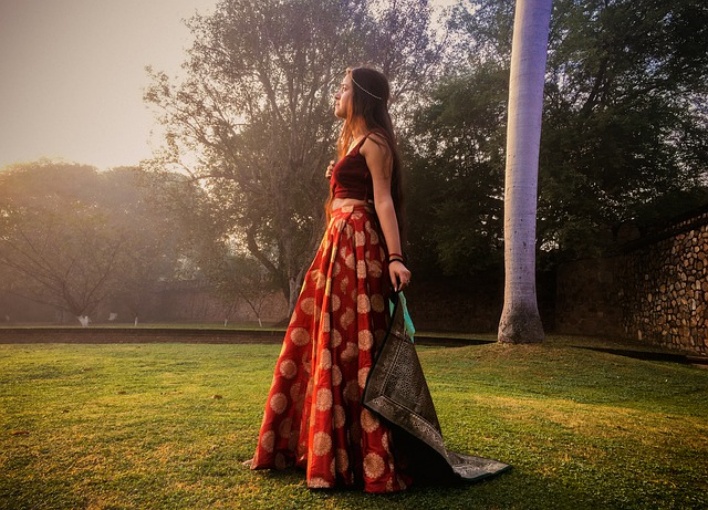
(369, 114)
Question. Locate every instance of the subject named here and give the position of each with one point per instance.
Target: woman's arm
(379, 160)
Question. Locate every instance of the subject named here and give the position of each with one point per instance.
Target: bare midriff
(338, 203)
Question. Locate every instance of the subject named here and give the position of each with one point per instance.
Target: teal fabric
(410, 328)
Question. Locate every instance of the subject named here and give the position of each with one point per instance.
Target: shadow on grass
(651, 355)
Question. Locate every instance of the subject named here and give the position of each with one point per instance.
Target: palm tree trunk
(520, 321)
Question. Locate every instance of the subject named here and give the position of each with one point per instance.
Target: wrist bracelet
(396, 259)
(395, 255)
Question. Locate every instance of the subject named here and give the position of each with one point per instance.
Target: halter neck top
(351, 177)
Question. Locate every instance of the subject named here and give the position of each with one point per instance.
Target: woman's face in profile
(343, 97)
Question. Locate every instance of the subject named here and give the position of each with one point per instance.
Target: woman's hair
(369, 114)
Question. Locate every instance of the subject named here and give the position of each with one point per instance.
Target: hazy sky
(72, 75)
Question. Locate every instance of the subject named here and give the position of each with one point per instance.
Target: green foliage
(624, 137)
(456, 171)
(142, 426)
(621, 130)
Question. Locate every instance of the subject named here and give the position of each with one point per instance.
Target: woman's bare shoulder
(376, 144)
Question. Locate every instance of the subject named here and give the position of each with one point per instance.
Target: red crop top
(351, 177)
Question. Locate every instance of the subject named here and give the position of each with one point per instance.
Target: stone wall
(453, 306)
(588, 298)
(665, 290)
(654, 291)
(448, 305)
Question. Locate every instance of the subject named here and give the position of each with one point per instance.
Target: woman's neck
(351, 133)
(358, 128)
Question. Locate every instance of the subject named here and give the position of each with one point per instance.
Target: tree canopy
(73, 237)
(624, 135)
(623, 127)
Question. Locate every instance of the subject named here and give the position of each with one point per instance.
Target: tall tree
(520, 321)
(252, 123)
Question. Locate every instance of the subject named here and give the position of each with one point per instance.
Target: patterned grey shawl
(397, 391)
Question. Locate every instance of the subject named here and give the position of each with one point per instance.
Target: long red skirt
(313, 416)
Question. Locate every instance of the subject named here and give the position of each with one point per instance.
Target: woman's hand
(330, 167)
(400, 275)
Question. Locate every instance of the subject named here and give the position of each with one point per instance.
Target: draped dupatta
(397, 391)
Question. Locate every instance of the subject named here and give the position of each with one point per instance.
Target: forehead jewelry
(362, 88)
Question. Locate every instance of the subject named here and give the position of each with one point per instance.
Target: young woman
(314, 418)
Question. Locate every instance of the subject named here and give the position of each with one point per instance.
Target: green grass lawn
(145, 426)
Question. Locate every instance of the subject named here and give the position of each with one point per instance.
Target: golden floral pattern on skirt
(313, 415)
